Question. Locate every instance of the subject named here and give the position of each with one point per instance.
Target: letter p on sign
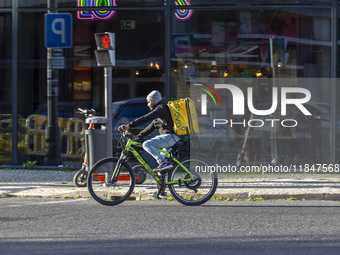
(58, 30)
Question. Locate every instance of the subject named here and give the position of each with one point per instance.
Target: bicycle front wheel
(199, 189)
(107, 190)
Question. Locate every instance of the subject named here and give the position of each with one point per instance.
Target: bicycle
(111, 180)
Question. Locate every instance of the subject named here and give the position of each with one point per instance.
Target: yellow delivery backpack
(184, 116)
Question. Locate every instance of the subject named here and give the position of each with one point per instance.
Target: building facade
(164, 45)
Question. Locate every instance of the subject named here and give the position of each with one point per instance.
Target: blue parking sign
(58, 30)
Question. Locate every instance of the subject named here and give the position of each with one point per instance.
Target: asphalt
(300, 186)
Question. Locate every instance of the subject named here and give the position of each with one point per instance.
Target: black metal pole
(167, 66)
(53, 154)
(15, 83)
(108, 105)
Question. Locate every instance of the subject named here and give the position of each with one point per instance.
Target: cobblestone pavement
(47, 183)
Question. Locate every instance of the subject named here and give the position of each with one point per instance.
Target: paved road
(81, 226)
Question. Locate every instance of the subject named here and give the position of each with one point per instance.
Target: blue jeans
(161, 142)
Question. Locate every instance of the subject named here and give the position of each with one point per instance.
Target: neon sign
(96, 14)
(183, 14)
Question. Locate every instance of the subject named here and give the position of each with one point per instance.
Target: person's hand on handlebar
(135, 138)
(123, 127)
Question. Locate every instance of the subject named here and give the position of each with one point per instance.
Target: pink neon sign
(97, 14)
(183, 14)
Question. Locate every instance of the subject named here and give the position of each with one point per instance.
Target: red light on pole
(106, 41)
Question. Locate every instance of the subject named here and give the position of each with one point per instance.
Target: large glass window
(280, 48)
(251, 40)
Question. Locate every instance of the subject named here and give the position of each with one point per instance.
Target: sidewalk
(58, 184)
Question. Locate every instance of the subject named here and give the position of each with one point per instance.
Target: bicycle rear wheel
(106, 190)
(194, 192)
(80, 178)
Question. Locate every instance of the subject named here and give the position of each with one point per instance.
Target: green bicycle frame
(167, 154)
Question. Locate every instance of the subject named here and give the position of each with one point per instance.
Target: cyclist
(160, 118)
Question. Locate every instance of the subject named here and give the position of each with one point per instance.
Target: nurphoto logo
(238, 104)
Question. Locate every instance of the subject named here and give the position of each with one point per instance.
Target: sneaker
(163, 166)
(161, 195)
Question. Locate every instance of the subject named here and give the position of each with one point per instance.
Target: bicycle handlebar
(87, 112)
(126, 134)
(122, 141)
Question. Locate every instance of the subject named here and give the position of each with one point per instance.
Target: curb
(218, 196)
